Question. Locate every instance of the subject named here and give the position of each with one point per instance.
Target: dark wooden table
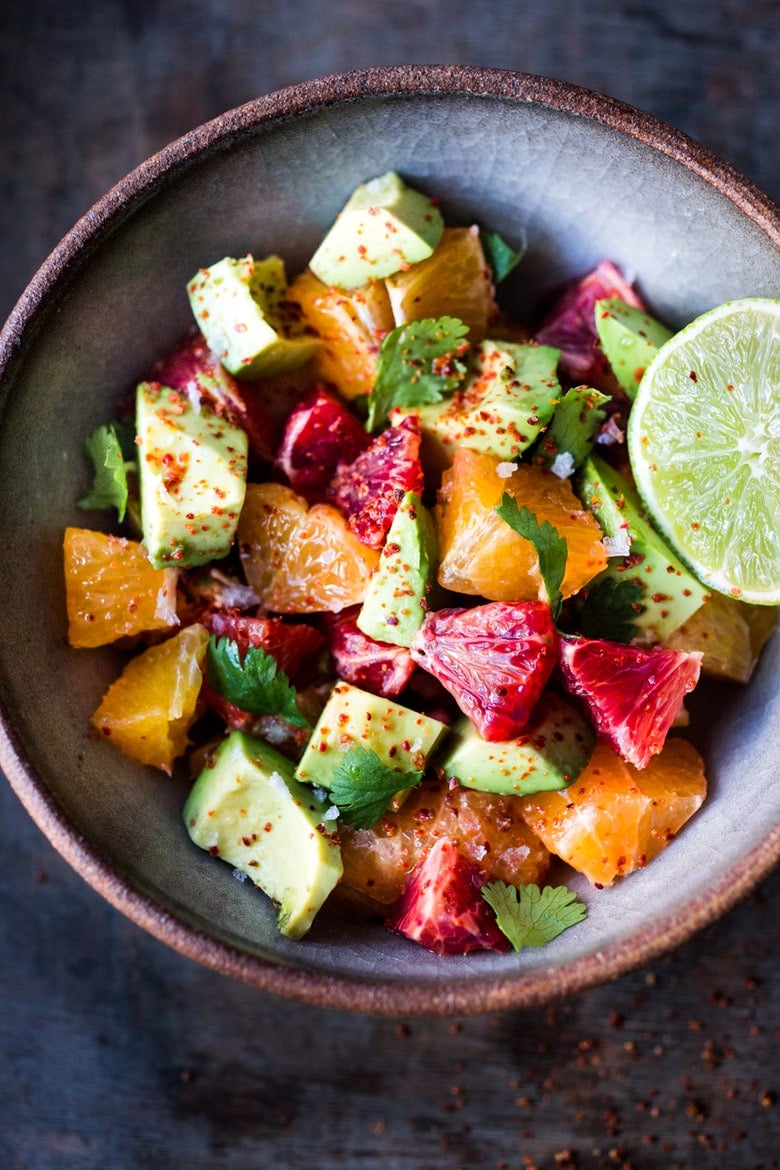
(117, 1054)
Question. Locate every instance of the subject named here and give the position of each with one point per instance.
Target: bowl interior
(270, 178)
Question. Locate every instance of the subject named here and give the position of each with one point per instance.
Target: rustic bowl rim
(399, 997)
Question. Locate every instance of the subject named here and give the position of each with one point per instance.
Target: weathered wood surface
(117, 1054)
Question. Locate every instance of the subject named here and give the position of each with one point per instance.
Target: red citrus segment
(294, 646)
(373, 666)
(320, 433)
(481, 555)
(494, 660)
(148, 711)
(368, 490)
(442, 907)
(488, 829)
(112, 591)
(614, 818)
(633, 694)
(570, 325)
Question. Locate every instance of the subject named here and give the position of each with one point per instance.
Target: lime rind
(704, 443)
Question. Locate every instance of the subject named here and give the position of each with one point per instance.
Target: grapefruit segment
(494, 660)
(633, 693)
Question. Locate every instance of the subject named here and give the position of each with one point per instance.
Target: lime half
(704, 442)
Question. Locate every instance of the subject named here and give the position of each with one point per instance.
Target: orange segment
(299, 560)
(111, 589)
(351, 325)
(150, 708)
(730, 633)
(482, 555)
(614, 818)
(455, 281)
(488, 829)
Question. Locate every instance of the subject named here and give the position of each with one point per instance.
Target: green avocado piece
(669, 592)
(247, 808)
(569, 437)
(550, 754)
(192, 468)
(240, 309)
(396, 599)
(383, 227)
(402, 738)
(506, 401)
(630, 339)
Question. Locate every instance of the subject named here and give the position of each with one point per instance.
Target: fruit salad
(399, 580)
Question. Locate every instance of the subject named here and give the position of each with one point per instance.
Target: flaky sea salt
(504, 470)
(618, 545)
(563, 465)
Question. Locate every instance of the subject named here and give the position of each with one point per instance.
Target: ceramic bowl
(582, 177)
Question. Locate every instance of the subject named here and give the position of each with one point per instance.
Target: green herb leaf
(363, 786)
(109, 489)
(610, 609)
(577, 417)
(530, 916)
(550, 547)
(256, 685)
(419, 362)
(499, 255)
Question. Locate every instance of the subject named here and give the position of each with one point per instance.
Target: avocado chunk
(550, 754)
(396, 599)
(383, 227)
(240, 309)
(668, 592)
(402, 738)
(569, 438)
(247, 808)
(192, 475)
(630, 339)
(505, 402)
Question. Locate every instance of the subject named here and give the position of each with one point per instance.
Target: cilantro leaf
(256, 685)
(530, 916)
(550, 546)
(499, 255)
(419, 362)
(109, 488)
(610, 608)
(363, 786)
(577, 417)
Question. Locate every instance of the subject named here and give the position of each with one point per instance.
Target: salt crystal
(239, 875)
(563, 465)
(618, 545)
(504, 470)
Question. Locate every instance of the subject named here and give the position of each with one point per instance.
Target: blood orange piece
(570, 325)
(442, 907)
(633, 693)
(494, 660)
(374, 666)
(294, 645)
(368, 491)
(320, 433)
(192, 368)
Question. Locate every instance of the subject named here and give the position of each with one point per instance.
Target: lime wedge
(704, 442)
